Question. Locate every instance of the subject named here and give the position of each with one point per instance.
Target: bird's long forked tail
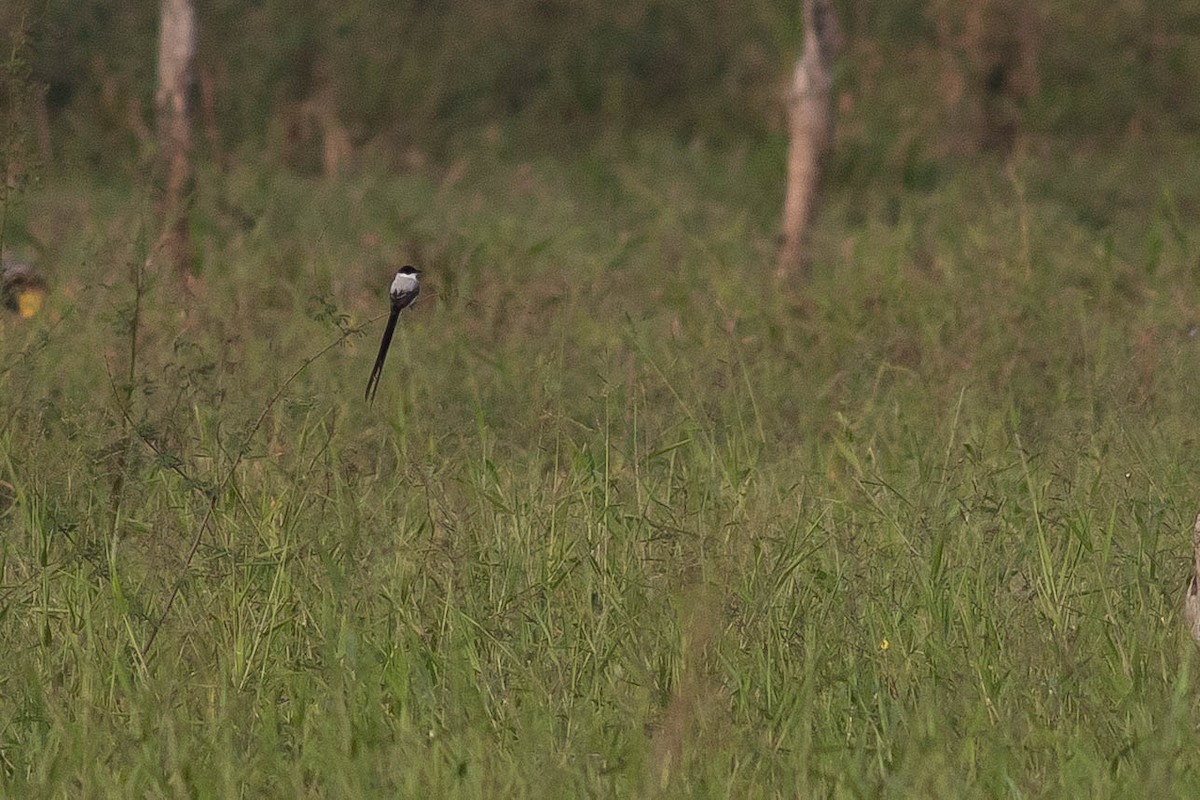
(377, 370)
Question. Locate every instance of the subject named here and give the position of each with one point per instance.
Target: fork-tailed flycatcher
(404, 290)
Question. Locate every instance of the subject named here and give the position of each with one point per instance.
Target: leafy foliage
(427, 77)
(628, 517)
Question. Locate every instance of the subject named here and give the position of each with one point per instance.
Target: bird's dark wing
(402, 300)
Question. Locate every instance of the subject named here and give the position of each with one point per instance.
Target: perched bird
(404, 290)
(1191, 600)
(21, 287)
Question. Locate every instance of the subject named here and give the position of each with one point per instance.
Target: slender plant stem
(237, 460)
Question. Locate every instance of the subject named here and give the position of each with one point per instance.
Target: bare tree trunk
(810, 124)
(41, 117)
(989, 51)
(1191, 598)
(336, 148)
(176, 52)
(208, 116)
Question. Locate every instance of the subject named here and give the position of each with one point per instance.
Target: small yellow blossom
(28, 304)
(883, 645)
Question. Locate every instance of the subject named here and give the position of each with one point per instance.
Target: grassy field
(628, 518)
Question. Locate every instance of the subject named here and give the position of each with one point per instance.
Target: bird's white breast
(403, 284)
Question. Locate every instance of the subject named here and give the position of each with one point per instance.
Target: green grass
(628, 517)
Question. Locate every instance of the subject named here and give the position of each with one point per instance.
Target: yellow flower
(883, 645)
(29, 303)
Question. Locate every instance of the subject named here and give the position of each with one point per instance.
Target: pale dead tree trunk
(176, 52)
(810, 126)
(321, 108)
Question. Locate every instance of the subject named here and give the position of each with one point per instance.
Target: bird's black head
(408, 270)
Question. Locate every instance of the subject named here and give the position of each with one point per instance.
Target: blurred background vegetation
(940, 492)
(421, 79)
